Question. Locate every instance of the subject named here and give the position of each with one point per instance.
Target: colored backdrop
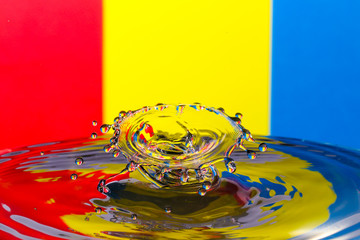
(291, 67)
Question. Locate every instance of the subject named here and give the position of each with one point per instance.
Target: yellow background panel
(186, 51)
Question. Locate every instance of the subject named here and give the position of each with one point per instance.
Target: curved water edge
(297, 189)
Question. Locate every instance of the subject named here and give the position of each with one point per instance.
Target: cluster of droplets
(183, 176)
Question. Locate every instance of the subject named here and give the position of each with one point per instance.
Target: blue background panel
(316, 71)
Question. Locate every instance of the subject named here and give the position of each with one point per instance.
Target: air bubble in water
(206, 185)
(94, 123)
(262, 147)
(133, 216)
(79, 161)
(168, 209)
(74, 176)
(98, 210)
(251, 154)
(105, 128)
(202, 192)
(94, 135)
(41, 153)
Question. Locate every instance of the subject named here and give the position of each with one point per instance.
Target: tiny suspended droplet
(239, 115)
(202, 192)
(108, 148)
(116, 120)
(105, 128)
(131, 166)
(168, 210)
(221, 110)
(251, 154)
(122, 114)
(94, 135)
(184, 177)
(42, 153)
(231, 166)
(74, 176)
(116, 153)
(159, 176)
(206, 185)
(262, 147)
(79, 161)
(94, 123)
(98, 210)
(133, 216)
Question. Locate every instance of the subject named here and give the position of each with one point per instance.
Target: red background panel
(50, 70)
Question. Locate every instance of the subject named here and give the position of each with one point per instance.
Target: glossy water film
(179, 172)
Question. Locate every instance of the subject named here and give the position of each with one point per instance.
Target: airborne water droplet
(105, 128)
(94, 123)
(98, 210)
(74, 176)
(262, 147)
(79, 161)
(251, 154)
(202, 192)
(94, 135)
(41, 153)
(168, 210)
(133, 216)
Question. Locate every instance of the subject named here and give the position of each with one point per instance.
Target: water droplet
(79, 161)
(106, 190)
(122, 114)
(251, 154)
(116, 153)
(202, 191)
(74, 176)
(168, 209)
(184, 177)
(131, 166)
(133, 216)
(239, 115)
(94, 135)
(206, 185)
(114, 140)
(42, 153)
(159, 176)
(108, 148)
(262, 147)
(94, 123)
(116, 120)
(221, 110)
(98, 210)
(230, 166)
(105, 128)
